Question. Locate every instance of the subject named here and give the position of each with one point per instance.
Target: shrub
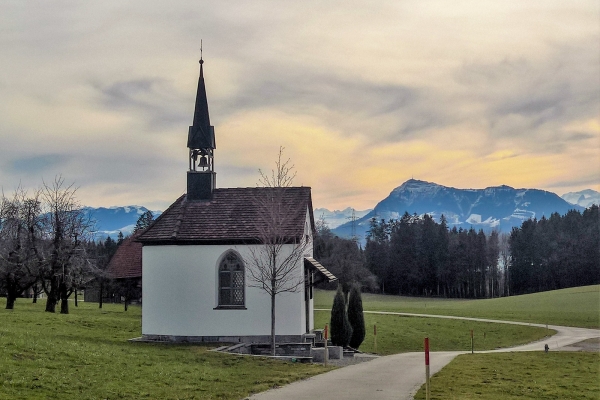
(356, 318)
(341, 330)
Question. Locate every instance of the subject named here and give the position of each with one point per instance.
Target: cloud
(363, 97)
(35, 164)
(155, 100)
(585, 181)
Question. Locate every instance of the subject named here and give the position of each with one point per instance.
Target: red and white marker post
(427, 389)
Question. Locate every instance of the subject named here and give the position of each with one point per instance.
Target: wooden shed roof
(127, 260)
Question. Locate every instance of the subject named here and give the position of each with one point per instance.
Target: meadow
(399, 334)
(498, 376)
(86, 355)
(578, 306)
(507, 376)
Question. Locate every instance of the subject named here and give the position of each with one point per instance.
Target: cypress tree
(341, 330)
(356, 318)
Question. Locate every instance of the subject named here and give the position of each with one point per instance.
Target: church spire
(201, 117)
(201, 145)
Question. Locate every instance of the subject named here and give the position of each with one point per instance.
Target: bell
(203, 162)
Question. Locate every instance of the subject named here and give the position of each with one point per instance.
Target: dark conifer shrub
(356, 318)
(341, 331)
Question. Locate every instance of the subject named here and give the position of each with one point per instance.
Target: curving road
(399, 376)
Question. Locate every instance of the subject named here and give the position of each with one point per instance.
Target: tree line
(556, 252)
(47, 246)
(417, 256)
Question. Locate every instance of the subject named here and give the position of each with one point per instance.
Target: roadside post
(375, 338)
(472, 342)
(427, 388)
(326, 355)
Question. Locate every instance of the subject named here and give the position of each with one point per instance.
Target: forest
(417, 256)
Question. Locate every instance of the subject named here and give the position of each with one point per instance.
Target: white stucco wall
(180, 286)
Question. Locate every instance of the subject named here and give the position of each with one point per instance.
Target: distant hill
(584, 198)
(500, 207)
(110, 221)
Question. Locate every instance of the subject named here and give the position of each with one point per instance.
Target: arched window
(231, 281)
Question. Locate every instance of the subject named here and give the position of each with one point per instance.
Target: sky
(363, 95)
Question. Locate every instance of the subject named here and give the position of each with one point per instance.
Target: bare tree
(20, 222)
(66, 227)
(273, 265)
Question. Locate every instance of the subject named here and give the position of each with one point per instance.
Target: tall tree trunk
(11, 296)
(10, 302)
(76, 303)
(52, 295)
(273, 322)
(64, 298)
(101, 290)
(11, 292)
(35, 293)
(273, 294)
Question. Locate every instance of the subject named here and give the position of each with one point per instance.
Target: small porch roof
(316, 266)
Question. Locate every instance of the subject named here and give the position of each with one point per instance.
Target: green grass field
(398, 334)
(85, 355)
(506, 376)
(568, 307)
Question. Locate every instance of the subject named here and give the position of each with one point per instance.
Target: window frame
(231, 264)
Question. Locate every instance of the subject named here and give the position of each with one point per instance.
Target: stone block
(336, 352)
(318, 354)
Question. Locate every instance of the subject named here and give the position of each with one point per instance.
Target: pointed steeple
(201, 133)
(201, 117)
(201, 144)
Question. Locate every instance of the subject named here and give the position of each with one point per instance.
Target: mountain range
(112, 220)
(500, 207)
(584, 198)
(336, 218)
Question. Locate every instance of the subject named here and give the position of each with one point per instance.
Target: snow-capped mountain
(110, 221)
(500, 207)
(336, 218)
(584, 198)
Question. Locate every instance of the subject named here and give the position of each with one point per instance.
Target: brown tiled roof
(233, 215)
(127, 260)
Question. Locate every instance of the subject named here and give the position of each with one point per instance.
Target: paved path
(399, 376)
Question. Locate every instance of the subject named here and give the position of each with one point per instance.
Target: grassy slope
(85, 355)
(508, 376)
(569, 307)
